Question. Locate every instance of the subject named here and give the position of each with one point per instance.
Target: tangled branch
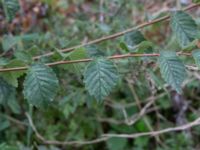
(105, 137)
(154, 133)
(77, 143)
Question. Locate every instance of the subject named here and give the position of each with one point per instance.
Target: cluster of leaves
(41, 83)
(101, 75)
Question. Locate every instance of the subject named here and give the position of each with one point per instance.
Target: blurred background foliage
(49, 25)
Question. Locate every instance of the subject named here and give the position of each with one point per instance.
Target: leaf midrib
(40, 86)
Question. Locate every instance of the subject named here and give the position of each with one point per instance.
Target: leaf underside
(40, 85)
(6, 91)
(134, 38)
(12, 77)
(172, 69)
(184, 28)
(100, 77)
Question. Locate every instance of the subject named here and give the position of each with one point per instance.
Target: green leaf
(10, 7)
(9, 42)
(75, 55)
(60, 55)
(23, 56)
(184, 28)
(29, 37)
(145, 46)
(134, 38)
(104, 27)
(13, 104)
(172, 69)
(3, 61)
(196, 56)
(6, 91)
(4, 146)
(100, 77)
(78, 54)
(94, 51)
(123, 46)
(4, 125)
(117, 143)
(12, 77)
(40, 85)
(141, 142)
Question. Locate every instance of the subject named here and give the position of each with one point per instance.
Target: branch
(77, 143)
(108, 136)
(126, 121)
(132, 120)
(122, 105)
(90, 59)
(18, 123)
(142, 112)
(154, 133)
(112, 36)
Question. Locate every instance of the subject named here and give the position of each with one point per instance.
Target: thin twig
(134, 119)
(18, 122)
(116, 34)
(153, 133)
(107, 136)
(142, 111)
(121, 105)
(124, 121)
(90, 59)
(75, 143)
